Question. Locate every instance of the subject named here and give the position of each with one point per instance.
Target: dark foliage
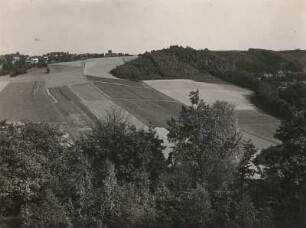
(118, 176)
(283, 173)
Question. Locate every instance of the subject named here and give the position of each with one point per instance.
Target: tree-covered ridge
(265, 72)
(179, 62)
(118, 176)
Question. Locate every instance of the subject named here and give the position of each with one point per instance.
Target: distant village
(17, 63)
(54, 57)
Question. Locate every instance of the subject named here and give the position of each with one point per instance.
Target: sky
(135, 26)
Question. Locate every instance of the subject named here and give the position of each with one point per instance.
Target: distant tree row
(68, 57)
(13, 64)
(118, 176)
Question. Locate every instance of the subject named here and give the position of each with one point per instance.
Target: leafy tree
(133, 152)
(30, 155)
(204, 161)
(295, 95)
(205, 136)
(283, 171)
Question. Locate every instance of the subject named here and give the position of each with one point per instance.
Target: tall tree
(283, 170)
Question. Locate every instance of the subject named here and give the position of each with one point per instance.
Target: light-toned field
(254, 124)
(27, 101)
(101, 108)
(62, 75)
(100, 67)
(4, 81)
(88, 92)
(78, 63)
(179, 89)
(63, 94)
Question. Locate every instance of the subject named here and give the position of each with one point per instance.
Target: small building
(31, 61)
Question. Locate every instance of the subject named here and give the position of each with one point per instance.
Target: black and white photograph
(153, 113)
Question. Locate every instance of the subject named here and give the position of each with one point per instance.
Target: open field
(101, 108)
(255, 125)
(77, 117)
(40, 97)
(88, 92)
(151, 112)
(62, 75)
(63, 93)
(27, 101)
(76, 114)
(73, 100)
(141, 92)
(179, 89)
(145, 103)
(115, 81)
(78, 63)
(100, 67)
(4, 81)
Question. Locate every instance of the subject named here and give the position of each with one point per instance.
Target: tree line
(13, 64)
(118, 176)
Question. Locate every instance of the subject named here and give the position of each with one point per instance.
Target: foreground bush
(30, 166)
(117, 176)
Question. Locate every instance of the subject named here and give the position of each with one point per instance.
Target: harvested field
(209, 92)
(115, 81)
(255, 125)
(118, 91)
(151, 112)
(88, 92)
(145, 103)
(27, 101)
(100, 67)
(77, 118)
(63, 93)
(76, 114)
(64, 75)
(4, 81)
(78, 63)
(100, 108)
(32, 75)
(259, 126)
(63, 96)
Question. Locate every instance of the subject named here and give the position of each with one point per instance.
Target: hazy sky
(135, 26)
